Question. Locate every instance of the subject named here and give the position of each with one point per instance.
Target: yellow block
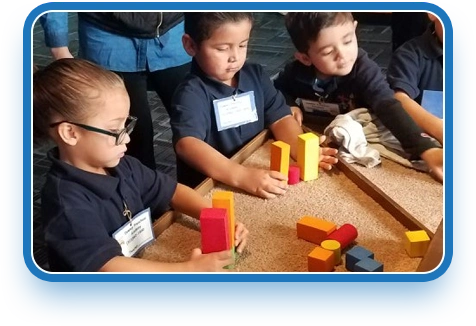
(333, 246)
(416, 243)
(308, 156)
(224, 199)
(320, 260)
(314, 229)
(279, 161)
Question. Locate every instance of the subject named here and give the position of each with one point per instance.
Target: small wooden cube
(356, 254)
(320, 260)
(368, 265)
(416, 243)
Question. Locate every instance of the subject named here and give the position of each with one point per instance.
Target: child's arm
(213, 262)
(207, 160)
(427, 121)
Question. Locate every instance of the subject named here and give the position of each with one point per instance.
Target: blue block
(368, 265)
(432, 101)
(354, 255)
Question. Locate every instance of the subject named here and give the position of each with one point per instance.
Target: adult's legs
(164, 82)
(141, 145)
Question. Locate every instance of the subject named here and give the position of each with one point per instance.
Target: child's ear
(67, 134)
(355, 24)
(303, 58)
(189, 45)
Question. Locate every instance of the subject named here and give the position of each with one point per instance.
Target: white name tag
(135, 234)
(235, 111)
(314, 106)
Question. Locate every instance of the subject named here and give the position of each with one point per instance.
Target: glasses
(130, 124)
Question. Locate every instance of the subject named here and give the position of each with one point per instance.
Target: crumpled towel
(348, 133)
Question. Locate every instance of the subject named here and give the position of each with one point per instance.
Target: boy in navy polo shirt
(333, 75)
(224, 103)
(417, 66)
(97, 202)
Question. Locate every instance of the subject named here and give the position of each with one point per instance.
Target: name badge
(235, 111)
(135, 234)
(316, 106)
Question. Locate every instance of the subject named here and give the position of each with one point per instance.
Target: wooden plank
(434, 255)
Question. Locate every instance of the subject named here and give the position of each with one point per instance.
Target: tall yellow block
(308, 156)
(224, 199)
(416, 243)
(279, 161)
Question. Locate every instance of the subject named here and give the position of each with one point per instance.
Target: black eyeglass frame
(130, 124)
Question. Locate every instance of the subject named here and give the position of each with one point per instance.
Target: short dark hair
(304, 27)
(201, 25)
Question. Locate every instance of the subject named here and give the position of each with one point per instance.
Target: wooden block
(225, 199)
(293, 174)
(345, 235)
(368, 265)
(280, 153)
(214, 230)
(334, 246)
(314, 229)
(356, 254)
(320, 260)
(308, 156)
(416, 243)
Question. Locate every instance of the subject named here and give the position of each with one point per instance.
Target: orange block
(314, 229)
(320, 260)
(280, 152)
(224, 199)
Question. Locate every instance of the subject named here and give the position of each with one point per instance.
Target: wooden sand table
(273, 244)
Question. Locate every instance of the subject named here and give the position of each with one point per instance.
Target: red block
(214, 230)
(293, 174)
(344, 235)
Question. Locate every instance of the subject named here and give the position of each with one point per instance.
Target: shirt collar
(102, 185)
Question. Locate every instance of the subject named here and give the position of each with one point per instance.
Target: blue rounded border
(77, 298)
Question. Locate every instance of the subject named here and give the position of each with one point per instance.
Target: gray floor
(269, 46)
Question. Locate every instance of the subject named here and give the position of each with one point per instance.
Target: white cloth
(377, 137)
(345, 131)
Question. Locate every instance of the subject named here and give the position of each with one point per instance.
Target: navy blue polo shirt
(417, 65)
(364, 87)
(81, 210)
(193, 114)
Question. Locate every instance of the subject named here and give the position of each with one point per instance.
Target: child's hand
(241, 235)
(263, 183)
(327, 155)
(212, 262)
(434, 158)
(297, 114)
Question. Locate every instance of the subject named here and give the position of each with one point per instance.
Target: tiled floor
(269, 46)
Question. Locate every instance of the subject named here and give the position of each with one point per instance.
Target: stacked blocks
(314, 229)
(355, 255)
(293, 174)
(334, 246)
(308, 156)
(368, 265)
(280, 152)
(320, 260)
(416, 243)
(214, 230)
(345, 235)
(359, 259)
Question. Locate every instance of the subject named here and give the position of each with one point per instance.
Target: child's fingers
(241, 245)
